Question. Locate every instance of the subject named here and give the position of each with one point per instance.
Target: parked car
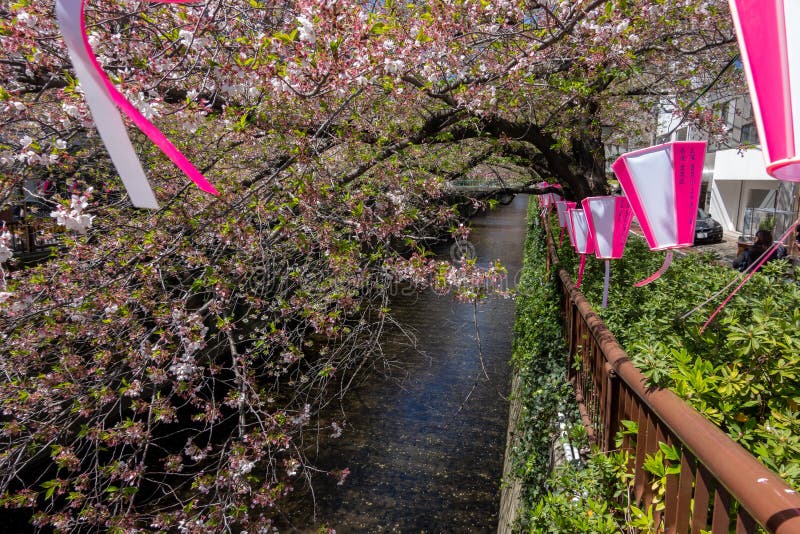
(706, 229)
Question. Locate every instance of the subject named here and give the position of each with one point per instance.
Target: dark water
(424, 444)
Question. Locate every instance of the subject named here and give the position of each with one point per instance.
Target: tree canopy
(357, 90)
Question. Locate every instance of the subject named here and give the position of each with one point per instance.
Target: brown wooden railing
(34, 236)
(720, 488)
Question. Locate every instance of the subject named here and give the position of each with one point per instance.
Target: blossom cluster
(75, 219)
(6, 250)
(467, 280)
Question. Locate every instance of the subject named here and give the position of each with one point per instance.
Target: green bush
(539, 358)
(574, 497)
(742, 372)
(581, 499)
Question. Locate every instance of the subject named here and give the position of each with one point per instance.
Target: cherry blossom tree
(160, 370)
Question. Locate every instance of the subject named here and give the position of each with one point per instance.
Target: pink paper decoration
(105, 101)
(543, 199)
(769, 40)
(548, 200)
(584, 243)
(662, 184)
(570, 230)
(561, 209)
(554, 197)
(609, 221)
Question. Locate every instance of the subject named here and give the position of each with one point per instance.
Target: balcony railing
(34, 236)
(720, 487)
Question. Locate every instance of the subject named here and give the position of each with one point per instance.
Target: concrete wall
(730, 198)
(511, 488)
(724, 203)
(735, 164)
(740, 182)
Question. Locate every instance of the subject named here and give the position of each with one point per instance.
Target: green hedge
(539, 358)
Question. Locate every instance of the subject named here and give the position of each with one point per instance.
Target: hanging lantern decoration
(105, 101)
(584, 243)
(769, 41)
(570, 229)
(662, 184)
(609, 219)
(548, 200)
(561, 209)
(543, 199)
(554, 197)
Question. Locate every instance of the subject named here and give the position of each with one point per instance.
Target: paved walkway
(726, 249)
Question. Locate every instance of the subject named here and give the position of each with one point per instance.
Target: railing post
(611, 416)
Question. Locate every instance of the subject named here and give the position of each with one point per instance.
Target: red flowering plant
(159, 370)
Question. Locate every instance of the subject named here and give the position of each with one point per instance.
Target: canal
(424, 441)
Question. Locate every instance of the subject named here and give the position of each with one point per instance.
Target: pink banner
(659, 273)
(769, 41)
(581, 268)
(104, 100)
(688, 162)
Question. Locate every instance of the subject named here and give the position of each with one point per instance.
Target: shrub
(742, 372)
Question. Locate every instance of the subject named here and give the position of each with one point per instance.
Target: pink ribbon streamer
(606, 282)
(656, 275)
(580, 270)
(104, 100)
(752, 269)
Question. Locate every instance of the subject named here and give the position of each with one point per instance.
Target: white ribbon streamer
(107, 117)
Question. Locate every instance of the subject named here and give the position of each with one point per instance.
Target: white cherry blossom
(306, 30)
(74, 218)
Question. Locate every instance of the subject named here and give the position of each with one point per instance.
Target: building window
(749, 134)
(722, 110)
(682, 134)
